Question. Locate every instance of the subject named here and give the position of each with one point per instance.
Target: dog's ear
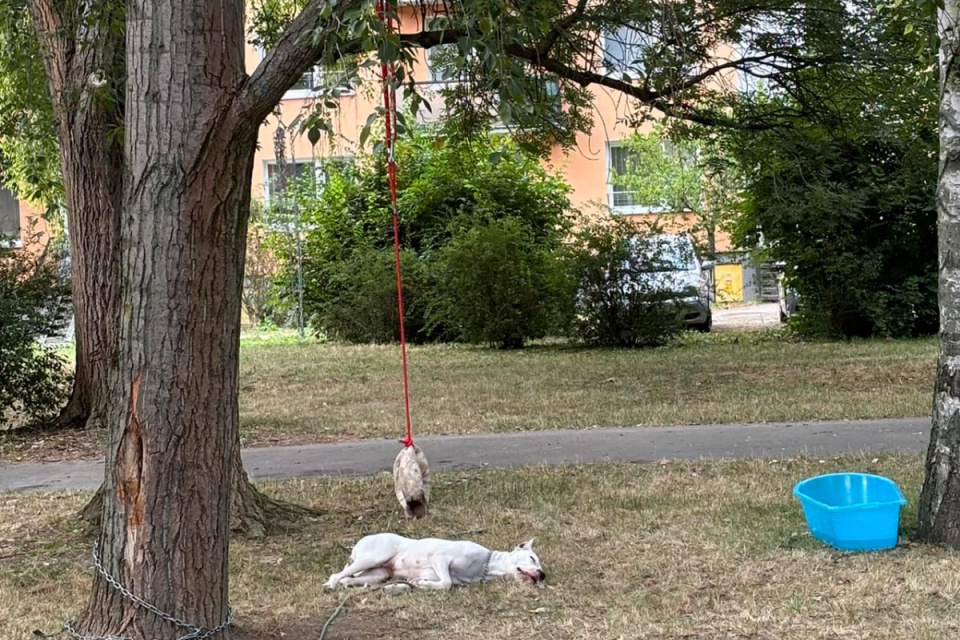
(528, 545)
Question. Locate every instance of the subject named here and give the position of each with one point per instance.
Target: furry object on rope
(411, 477)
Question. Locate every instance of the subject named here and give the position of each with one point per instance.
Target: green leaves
(34, 303)
(269, 18)
(29, 151)
(388, 50)
(846, 196)
(661, 173)
(365, 131)
(445, 191)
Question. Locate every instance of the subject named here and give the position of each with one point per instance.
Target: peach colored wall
(32, 215)
(584, 167)
(32, 222)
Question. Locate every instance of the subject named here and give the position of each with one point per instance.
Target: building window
(301, 170)
(311, 82)
(304, 84)
(623, 51)
(441, 63)
(9, 218)
(619, 197)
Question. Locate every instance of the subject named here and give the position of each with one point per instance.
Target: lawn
(680, 550)
(308, 392)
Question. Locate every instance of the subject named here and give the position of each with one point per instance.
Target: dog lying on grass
(434, 564)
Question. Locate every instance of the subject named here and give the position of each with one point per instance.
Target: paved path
(759, 316)
(634, 444)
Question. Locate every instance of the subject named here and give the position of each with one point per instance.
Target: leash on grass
(333, 616)
(346, 598)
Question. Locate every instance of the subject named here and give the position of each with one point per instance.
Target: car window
(665, 254)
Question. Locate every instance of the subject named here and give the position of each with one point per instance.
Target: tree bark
(80, 59)
(93, 186)
(173, 413)
(252, 513)
(940, 497)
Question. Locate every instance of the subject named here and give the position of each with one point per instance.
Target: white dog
(433, 563)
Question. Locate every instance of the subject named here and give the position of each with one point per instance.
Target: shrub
(445, 191)
(260, 270)
(616, 303)
(845, 197)
(360, 301)
(34, 303)
(497, 285)
(855, 220)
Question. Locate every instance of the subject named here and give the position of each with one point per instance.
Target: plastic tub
(852, 511)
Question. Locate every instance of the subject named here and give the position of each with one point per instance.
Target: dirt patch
(346, 626)
(31, 446)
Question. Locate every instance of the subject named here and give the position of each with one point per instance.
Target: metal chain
(196, 632)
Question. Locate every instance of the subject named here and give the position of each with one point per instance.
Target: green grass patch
(295, 392)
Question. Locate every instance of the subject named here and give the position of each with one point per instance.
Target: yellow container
(729, 282)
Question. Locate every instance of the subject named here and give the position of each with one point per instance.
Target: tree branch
(302, 43)
(558, 27)
(307, 39)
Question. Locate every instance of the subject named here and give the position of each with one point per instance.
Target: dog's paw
(331, 585)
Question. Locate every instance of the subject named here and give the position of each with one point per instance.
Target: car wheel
(706, 326)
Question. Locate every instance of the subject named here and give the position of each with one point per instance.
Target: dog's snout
(541, 576)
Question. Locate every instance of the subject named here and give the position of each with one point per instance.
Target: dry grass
(681, 550)
(297, 393)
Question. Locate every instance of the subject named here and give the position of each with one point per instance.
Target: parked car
(676, 269)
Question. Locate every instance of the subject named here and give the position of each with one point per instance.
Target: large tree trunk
(79, 66)
(84, 69)
(940, 498)
(252, 513)
(173, 411)
(92, 178)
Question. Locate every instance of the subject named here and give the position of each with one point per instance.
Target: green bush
(360, 301)
(855, 221)
(846, 195)
(497, 285)
(34, 303)
(616, 303)
(446, 189)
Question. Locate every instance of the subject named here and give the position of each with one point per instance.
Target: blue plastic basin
(852, 511)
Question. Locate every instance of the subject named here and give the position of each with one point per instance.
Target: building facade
(21, 223)
(588, 167)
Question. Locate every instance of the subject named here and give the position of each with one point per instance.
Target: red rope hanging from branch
(387, 75)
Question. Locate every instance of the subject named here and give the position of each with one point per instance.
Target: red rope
(387, 75)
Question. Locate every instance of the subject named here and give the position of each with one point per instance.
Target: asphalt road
(633, 444)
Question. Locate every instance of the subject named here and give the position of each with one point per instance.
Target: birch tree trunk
(940, 498)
